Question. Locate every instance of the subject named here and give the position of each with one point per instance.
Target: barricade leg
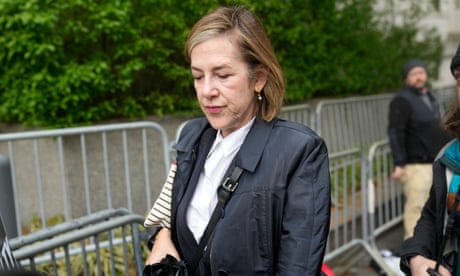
(7, 208)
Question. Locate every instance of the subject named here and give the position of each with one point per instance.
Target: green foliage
(343, 47)
(80, 61)
(68, 62)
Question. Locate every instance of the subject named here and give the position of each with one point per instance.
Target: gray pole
(7, 209)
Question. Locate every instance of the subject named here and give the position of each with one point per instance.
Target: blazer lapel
(251, 150)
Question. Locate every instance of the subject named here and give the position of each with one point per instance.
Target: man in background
(416, 136)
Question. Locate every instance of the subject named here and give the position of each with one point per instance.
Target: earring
(259, 97)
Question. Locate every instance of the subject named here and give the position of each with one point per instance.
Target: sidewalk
(357, 260)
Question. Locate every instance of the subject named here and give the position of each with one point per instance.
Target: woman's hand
(419, 265)
(162, 245)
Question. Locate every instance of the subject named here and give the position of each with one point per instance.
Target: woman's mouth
(213, 109)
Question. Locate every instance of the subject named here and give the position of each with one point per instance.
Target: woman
(277, 220)
(420, 253)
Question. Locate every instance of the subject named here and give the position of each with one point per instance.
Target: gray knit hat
(455, 60)
(410, 64)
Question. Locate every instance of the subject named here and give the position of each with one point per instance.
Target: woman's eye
(223, 76)
(197, 77)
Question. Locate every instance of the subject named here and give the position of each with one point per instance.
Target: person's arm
(397, 123)
(162, 245)
(306, 214)
(159, 216)
(419, 266)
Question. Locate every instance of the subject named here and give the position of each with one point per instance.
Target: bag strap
(224, 193)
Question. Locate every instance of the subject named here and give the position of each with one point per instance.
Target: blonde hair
(255, 48)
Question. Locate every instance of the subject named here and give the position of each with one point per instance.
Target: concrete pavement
(357, 261)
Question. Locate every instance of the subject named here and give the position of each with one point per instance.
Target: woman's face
(221, 79)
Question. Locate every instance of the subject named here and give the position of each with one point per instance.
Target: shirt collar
(234, 140)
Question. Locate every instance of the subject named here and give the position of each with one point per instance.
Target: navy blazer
(277, 221)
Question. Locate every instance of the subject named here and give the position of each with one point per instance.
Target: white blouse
(218, 160)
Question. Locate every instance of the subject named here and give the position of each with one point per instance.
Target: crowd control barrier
(81, 173)
(349, 219)
(108, 242)
(7, 260)
(62, 174)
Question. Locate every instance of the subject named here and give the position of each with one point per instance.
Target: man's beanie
(455, 60)
(410, 64)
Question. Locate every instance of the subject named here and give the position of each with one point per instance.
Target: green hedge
(69, 62)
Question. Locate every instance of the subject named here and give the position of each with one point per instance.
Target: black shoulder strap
(224, 193)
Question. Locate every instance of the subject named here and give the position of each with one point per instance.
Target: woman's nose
(209, 87)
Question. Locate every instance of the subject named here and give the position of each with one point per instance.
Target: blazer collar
(189, 137)
(251, 150)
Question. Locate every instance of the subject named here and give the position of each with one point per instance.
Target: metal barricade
(107, 242)
(301, 113)
(347, 220)
(349, 225)
(69, 173)
(354, 122)
(385, 194)
(7, 209)
(79, 171)
(357, 122)
(7, 259)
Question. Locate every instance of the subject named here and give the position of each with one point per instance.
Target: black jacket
(414, 129)
(277, 221)
(430, 228)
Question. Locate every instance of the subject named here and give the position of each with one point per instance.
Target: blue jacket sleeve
(306, 215)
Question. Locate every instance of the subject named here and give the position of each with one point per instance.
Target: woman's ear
(261, 78)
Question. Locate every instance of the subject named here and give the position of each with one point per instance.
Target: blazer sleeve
(306, 215)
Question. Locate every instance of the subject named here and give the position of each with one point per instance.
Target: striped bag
(160, 214)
